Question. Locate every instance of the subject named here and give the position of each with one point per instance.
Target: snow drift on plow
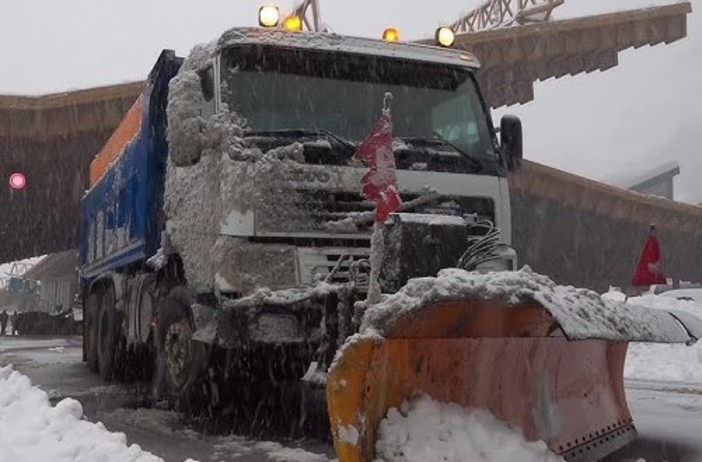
(546, 359)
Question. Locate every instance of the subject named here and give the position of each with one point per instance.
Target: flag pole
(377, 253)
(376, 261)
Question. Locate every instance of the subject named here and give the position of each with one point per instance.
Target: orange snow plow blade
(514, 360)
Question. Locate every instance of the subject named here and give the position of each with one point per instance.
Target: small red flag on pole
(380, 183)
(648, 272)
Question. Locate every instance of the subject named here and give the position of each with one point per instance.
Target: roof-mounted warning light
(268, 16)
(445, 37)
(292, 23)
(391, 34)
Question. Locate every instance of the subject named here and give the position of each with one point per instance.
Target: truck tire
(92, 310)
(180, 359)
(107, 334)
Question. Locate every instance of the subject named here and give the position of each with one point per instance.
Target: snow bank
(278, 453)
(32, 430)
(582, 313)
(425, 430)
(669, 363)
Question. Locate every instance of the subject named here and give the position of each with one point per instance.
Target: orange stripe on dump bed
(126, 131)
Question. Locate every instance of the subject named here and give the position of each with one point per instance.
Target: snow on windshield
(294, 89)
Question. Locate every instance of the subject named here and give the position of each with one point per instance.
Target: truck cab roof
(346, 44)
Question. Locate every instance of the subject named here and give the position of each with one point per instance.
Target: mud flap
(514, 360)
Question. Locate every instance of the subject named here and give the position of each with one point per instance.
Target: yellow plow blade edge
(513, 360)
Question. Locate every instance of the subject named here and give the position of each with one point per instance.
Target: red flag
(648, 271)
(380, 183)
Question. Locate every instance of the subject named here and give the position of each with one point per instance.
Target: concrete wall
(52, 140)
(43, 218)
(589, 234)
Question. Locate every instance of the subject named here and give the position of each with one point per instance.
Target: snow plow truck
(226, 251)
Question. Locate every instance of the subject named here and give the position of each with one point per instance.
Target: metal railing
(489, 15)
(502, 13)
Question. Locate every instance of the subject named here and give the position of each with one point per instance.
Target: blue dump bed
(122, 214)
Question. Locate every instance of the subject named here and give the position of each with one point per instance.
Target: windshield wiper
(302, 133)
(438, 139)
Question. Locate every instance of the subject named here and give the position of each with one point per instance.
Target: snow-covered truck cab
(263, 128)
(239, 164)
(230, 191)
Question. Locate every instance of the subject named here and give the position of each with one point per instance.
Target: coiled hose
(483, 240)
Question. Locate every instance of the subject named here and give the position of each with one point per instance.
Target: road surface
(55, 364)
(667, 415)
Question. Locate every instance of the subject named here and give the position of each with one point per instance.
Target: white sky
(645, 112)
(6, 268)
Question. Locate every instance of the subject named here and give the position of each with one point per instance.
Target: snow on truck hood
(346, 44)
(581, 313)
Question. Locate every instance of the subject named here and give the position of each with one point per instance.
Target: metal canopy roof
(513, 58)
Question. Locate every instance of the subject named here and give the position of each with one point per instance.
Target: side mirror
(511, 141)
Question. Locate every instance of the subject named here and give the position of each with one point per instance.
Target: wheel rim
(180, 354)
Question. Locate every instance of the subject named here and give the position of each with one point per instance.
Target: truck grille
(324, 207)
(331, 258)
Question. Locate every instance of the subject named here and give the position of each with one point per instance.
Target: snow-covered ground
(55, 365)
(669, 363)
(32, 429)
(664, 388)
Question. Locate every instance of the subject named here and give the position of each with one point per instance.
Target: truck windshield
(278, 89)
